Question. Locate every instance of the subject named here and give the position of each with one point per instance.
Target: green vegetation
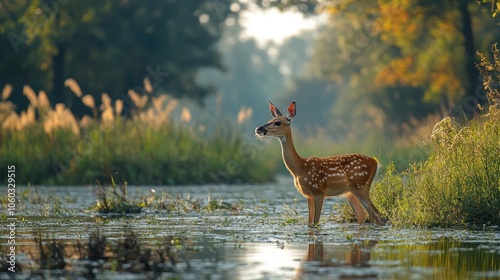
(50, 146)
(143, 155)
(167, 41)
(369, 72)
(114, 199)
(372, 83)
(460, 183)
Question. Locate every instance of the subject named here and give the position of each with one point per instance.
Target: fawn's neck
(292, 160)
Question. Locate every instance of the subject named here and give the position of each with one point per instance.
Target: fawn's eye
(278, 123)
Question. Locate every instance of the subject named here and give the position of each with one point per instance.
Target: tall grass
(401, 150)
(460, 182)
(49, 145)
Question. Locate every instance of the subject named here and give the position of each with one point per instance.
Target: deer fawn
(315, 178)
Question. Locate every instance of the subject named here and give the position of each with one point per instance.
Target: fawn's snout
(261, 130)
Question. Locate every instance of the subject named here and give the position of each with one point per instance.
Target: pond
(262, 236)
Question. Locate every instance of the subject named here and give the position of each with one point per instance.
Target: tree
(397, 58)
(111, 45)
(406, 58)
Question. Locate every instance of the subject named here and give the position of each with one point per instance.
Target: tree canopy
(387, 61)
(397, 60)
(111, 45)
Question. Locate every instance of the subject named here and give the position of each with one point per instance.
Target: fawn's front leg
(315, 204)
(310, 206)
(318, 206)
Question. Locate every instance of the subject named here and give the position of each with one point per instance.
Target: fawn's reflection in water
(346, 261)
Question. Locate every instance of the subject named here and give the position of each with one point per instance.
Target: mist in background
(371, 77)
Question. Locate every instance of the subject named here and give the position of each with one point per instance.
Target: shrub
(460, 182)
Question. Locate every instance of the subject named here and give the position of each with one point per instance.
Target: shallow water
(267, 238)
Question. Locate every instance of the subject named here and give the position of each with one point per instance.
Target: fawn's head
(279, 125)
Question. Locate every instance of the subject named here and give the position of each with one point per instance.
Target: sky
(274, 25)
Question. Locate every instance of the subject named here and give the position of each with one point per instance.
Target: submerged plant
(112, 199)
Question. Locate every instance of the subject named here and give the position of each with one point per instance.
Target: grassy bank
(134, 152)
(458, 185)
(49, 145)
(460, 182)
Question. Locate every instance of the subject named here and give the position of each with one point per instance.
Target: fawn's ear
(274, 111)
(291, 111)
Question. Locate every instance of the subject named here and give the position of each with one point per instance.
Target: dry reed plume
(74, 87)
(7, 90)
(185, 115)
(151, 110)
(244, 114)
(147, 86)
(145, 108)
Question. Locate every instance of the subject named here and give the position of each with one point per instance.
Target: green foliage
(110, 45)
(394, 61)
(112, 199)
(50, 146)
(457, 185)
(389, 194)
(138, 153)
(218, 205)
(170, 202)
(460, 183)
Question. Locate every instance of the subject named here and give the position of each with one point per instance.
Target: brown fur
(316, 178)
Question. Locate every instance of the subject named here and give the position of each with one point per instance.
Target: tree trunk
(58, 78)
(473, 90)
